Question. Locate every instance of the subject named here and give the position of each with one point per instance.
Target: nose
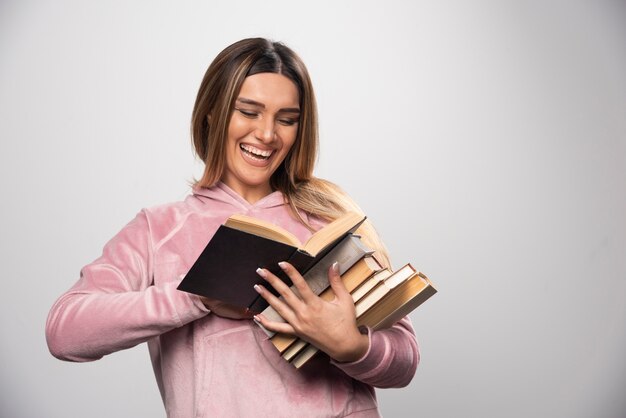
(266, 130)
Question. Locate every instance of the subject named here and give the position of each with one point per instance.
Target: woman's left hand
(329, 325)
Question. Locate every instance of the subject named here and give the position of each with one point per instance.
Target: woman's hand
(225, 310)
(330, 326)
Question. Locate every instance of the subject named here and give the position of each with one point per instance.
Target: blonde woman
(254, 125)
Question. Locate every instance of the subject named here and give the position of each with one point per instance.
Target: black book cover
(226, 268)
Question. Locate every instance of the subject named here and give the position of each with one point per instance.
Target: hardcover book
(225, 271)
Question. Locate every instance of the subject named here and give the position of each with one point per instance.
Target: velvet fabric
(206, 365)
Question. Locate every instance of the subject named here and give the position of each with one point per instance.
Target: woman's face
(262, 129)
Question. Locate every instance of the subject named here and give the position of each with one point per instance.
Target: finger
(281, 327)
(339, 288)
(298, 281)
(280, 306)
(289, 297)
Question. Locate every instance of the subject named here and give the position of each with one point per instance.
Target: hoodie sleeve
(391, 359)
(114, 304)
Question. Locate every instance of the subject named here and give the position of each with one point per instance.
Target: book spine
(347, 253)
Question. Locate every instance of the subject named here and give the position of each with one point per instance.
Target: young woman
(254, 125)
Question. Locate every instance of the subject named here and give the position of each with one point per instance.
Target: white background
(485, 139)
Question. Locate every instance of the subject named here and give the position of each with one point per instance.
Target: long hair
(294, 177)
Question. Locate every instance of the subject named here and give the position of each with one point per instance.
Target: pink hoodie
(206, 365)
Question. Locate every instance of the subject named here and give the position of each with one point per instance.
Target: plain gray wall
(486, 139)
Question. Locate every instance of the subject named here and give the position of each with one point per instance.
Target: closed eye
(247, 113)
(287, 122)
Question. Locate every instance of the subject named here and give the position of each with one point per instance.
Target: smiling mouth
(255, 153)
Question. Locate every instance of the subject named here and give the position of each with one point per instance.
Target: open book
(225, 271)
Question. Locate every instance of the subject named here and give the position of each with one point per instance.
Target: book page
(263, 229)
(331, 232)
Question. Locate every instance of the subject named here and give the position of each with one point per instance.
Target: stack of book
(381, 298)
(225, 274)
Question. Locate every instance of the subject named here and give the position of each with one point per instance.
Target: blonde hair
(294, 177)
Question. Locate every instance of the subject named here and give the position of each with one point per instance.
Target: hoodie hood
(222, 193)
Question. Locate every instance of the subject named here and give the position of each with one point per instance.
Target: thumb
(336, 283)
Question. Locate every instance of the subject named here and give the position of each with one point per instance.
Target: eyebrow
(262, 106)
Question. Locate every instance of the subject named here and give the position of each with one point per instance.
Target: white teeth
(255, 151)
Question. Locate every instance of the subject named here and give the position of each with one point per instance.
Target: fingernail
(336, 267)
(257, 288)
(282, 265)
(261, 272)
(256, 317)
